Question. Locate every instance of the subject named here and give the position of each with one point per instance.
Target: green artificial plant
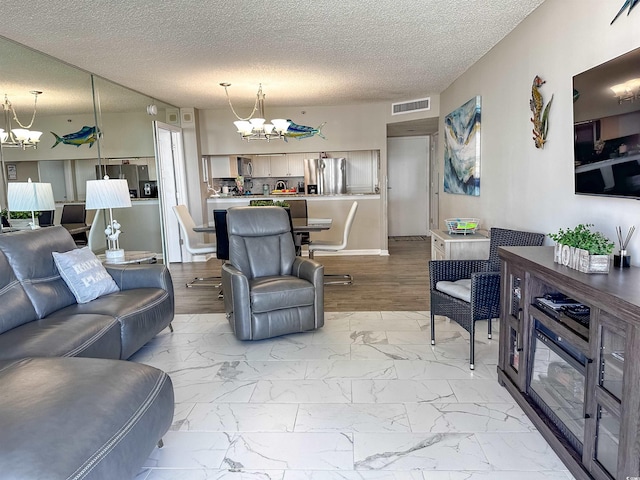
(17, 215)
(584, 238)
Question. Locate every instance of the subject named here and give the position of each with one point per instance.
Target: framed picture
(462, 149)
(12, 171)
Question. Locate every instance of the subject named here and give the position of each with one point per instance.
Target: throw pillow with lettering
(84, 274)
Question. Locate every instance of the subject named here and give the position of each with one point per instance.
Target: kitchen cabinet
(446, 246)
(222, 166)
(290, 165)
(261, 166)
(575, 375)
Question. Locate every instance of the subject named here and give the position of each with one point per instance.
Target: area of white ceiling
(329, 52)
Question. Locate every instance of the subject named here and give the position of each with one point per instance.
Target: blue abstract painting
(462, 149)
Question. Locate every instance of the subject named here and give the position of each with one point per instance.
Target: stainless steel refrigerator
(326, 176)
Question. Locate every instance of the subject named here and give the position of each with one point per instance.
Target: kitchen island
(365, 238)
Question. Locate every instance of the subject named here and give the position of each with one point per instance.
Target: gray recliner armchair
(268, 290)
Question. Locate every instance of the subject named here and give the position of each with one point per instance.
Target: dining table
(299, 225)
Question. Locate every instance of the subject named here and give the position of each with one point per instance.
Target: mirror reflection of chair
(467, 291)
(268, 290)
(45, 218)
(314, 246)
(74, 216)
(194, 246)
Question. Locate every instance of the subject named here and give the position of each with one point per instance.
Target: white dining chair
(314, 246)
(194, 246)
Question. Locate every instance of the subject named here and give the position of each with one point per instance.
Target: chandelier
(251, 128)
(627, 91)
(19, 137)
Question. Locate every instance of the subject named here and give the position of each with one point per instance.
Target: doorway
(408, 187)
(172, 187)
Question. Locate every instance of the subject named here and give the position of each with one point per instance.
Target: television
(606, 117)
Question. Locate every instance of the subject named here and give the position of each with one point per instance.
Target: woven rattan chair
(469, 290)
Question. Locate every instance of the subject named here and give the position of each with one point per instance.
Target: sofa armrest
(128, 277)
(309, 270)
(237, 304)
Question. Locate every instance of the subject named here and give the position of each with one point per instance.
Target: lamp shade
(30, 196)
(107, 193)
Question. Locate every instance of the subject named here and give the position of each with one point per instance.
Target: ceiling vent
(411, 106)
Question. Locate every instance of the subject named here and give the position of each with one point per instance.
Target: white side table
(130, 256)
(457, 246)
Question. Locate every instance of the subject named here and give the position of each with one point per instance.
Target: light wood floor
(394, 283)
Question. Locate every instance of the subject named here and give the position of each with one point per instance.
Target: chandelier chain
(15, 115)
(255, 106)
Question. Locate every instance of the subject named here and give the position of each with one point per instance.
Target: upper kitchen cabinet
(290, 165)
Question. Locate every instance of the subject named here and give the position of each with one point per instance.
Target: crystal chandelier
(251, 128)
(19, 137)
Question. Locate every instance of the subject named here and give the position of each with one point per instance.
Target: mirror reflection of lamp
(108, 193)
(627, 91)
(30, 197)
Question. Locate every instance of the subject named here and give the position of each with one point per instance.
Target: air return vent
(411, 106)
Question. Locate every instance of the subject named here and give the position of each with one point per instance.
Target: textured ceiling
(330, 52)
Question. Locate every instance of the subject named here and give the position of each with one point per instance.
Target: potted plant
(582, 249)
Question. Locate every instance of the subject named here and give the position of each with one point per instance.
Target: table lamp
(108, 193)
(30, 197)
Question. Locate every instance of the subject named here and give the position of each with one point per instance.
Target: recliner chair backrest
(260, 241)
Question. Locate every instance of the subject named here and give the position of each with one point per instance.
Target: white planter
(580, 260)
(20, 223)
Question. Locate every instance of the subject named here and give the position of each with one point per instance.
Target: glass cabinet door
(607, 440)
(515, 323)
(612, 348)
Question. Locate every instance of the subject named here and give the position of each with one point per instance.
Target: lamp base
(114, 254)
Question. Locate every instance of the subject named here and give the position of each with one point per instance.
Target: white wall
(521, 186)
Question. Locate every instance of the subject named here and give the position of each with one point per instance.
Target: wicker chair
(470, 289)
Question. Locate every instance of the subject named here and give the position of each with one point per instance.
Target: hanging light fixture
(251, 128)
(627, 91)
(19, 137)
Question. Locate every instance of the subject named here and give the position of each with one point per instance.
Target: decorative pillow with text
(84, 274)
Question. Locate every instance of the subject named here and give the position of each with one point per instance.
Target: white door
(172, 186)
(408, 197)
(434, 182)
(53, 172)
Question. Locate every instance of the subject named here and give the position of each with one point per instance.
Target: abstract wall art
(462, 149)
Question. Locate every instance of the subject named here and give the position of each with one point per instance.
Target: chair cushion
(459, 289)
(84, 274)
(280, 292)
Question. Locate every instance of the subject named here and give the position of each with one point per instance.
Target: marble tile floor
(366, 397)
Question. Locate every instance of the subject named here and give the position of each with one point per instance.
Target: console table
(577, 377)
(447, 246)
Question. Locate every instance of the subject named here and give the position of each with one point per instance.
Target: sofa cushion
(72, 418)
(84, 274)
(16, 307)
(139, 311)
(40, 279)
(88, 335)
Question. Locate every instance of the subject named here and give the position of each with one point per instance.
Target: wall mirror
(72, 99)
(606, 112)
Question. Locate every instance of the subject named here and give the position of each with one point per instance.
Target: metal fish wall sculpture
(84, 135)
(302, 131)
(627, 3)
(540, 117)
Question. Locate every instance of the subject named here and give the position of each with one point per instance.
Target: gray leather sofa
(77, 418)
(40, 317)
(268, 290)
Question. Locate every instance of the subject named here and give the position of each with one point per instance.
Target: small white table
(130, 256)
(458, 246)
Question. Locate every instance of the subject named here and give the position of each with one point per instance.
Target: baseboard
(373, 251)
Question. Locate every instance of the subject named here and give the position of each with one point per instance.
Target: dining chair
(298, 209)
(222, 239)
(45, 218)
(314, 246)
(194, 246)
(467, 291)
(74, 215)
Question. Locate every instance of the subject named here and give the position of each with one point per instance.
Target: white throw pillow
(84, 274)
(460, 289)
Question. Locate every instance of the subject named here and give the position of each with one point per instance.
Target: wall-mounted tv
(606, 117)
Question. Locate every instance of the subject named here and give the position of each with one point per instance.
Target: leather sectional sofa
(80, 418)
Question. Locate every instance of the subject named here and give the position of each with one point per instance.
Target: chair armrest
(453, 270)
(128, 277)
(237, 303)
(309, 270)
(485, 295)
